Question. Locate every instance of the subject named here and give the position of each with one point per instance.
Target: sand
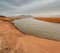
(15, 41)
(49, 19)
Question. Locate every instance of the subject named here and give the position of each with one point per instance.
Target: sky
(30, 7)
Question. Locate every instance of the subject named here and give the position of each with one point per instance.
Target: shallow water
(38, 28)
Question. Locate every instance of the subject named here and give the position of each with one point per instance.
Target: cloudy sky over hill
(34, 7)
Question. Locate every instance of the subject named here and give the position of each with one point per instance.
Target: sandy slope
(9, 34)
(13, 41)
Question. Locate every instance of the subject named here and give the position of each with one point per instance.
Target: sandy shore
(17, 42)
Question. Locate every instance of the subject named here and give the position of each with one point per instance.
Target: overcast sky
(34, 7)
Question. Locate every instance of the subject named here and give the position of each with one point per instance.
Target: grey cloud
(38, 6)
(10, 7)
(19, 2)
(55, 6)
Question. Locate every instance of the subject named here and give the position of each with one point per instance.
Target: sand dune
(9, 19)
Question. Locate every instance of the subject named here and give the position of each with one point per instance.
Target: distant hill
(23, 16)
(2, 16)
